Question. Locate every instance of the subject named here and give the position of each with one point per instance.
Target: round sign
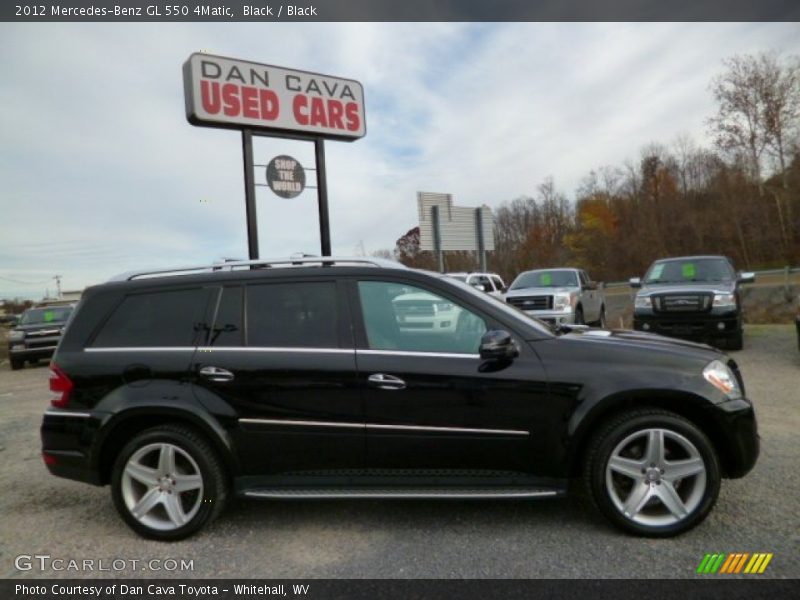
(286, 176)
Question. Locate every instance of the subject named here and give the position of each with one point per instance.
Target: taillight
(61, 385)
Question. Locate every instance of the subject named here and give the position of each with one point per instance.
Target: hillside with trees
(740, 197)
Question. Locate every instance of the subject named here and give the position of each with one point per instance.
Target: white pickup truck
(559, 296)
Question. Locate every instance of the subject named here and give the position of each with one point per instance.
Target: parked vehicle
(9, 320)
(37, 334)
(558, 296)
(181, 390)
(692, 297)
(491, 283)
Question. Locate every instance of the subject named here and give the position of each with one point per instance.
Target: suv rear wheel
(653, 473)
(168, 482)
(16, 365)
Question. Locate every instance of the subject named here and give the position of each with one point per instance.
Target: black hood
(56, 325)
(632, 347)
(688, 287)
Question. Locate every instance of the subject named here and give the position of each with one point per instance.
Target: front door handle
(386, 382)
(216, 374)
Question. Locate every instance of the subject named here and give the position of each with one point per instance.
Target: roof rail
(325, 261)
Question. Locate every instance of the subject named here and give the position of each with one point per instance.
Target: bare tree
(739, 125)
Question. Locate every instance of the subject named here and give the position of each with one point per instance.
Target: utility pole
(58, 286)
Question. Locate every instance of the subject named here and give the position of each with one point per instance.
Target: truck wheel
(652, 473)
(168, 482)
(579, 316)
(16, 365)
(601, 322)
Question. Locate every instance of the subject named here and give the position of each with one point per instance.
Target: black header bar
(398, 10)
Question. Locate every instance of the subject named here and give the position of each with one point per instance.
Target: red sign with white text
(227, 92)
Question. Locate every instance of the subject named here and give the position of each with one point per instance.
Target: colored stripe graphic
(726, 567)
(733, 563)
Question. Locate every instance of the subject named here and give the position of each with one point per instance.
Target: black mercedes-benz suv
(692, 297)
(319, 378)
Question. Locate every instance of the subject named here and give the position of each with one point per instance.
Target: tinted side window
(405, 317)
(227, 329)
(165, 319)
(298, 315)
(498, 283)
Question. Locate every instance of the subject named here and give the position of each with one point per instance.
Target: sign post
(270, 101)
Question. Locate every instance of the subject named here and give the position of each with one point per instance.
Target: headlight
(562, 302)
(725, 300)
(643, 302)
(720, 376)
(16, 336)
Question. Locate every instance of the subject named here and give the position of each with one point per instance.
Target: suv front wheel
(167, 483)
(653, 473)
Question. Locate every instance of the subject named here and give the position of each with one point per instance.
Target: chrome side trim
(275, 349)
(413, 353)
(447, 429)
(323, 494)
(66, 413)
(142, 349)
(303, 423)
(377, 426)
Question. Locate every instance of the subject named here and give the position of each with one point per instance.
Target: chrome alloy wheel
(162, 486)
(656, 477)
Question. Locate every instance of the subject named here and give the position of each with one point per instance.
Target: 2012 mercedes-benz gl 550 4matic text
(301, 379)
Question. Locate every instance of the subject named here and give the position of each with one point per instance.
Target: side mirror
(747, 277)
(479, 286)
(498, 345)
(635, 282)
(592, 285)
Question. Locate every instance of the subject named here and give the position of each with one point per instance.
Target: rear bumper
(67, 438)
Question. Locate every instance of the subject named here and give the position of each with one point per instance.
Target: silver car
(559, 296)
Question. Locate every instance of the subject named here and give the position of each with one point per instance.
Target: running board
(309, 493)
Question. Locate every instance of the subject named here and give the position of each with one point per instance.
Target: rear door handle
(216, 374)
(386, 382)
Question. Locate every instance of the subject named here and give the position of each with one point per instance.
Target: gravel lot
(554, 538)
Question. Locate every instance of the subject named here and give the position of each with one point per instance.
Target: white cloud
(101, 173)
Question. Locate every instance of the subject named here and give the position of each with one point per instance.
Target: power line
(26, 282)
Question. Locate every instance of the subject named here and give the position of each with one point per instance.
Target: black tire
(16, 365)
(207, 502)
(601, 322)
(579, 316)
(701, 490)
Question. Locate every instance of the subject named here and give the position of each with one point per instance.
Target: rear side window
(292, 315)
(157, 319)
(227, 329)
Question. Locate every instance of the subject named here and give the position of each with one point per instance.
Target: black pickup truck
(693, 297)
(37, 334)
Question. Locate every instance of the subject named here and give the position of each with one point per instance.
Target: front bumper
(737, 432)
(690, 325)
(549, 316)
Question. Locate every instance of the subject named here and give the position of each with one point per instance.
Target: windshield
(688, 270)
(545, 279)
(42, 316)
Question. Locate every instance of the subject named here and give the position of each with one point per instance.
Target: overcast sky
(100, 172)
